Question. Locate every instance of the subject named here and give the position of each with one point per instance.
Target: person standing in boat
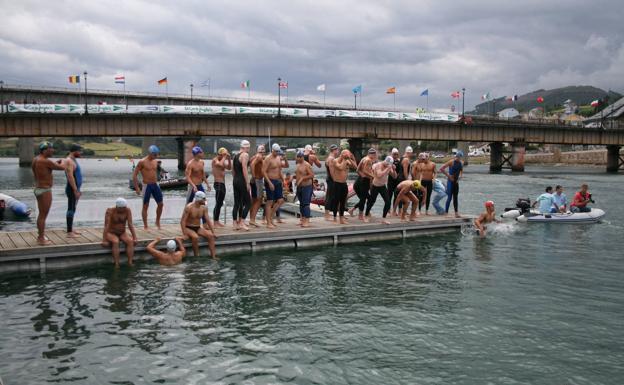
(329, 193)
(340, 172)
(42, 167)
(455, 171)
(242, 189)
(115, 230)
(195, 174)
(148, 167)
(72, 188)
(220, 164)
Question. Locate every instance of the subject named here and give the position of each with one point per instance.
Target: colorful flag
(357, 89)
(120, 79)
(391, 90)
(455, 95)
(245, 84)
(205, 83)
(74, 79)
(283, 84)
(540, 99)
(485, 96)
(425, 92)
(321, 87)
(512, 98)
(595, 103)
(162, 81)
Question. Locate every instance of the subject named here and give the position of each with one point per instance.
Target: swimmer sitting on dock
(115, 230)
(191, 225)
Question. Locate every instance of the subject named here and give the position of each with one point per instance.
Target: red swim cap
(489, 204)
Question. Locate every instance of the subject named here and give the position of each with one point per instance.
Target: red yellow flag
(391, 90)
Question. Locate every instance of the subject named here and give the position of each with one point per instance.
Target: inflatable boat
(11, 207)
(523, 213)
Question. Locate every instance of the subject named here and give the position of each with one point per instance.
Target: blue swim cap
(153, 149)
(197, 150)
(459, 154)
(300, 154)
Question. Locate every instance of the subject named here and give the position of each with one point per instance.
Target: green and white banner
(226, 110)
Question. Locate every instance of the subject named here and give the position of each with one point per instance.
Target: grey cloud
(483, 45)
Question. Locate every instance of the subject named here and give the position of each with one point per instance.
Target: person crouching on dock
(115, 230)
(407, 190)
(191, 226)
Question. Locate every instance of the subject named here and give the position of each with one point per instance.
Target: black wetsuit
(394, 182)
(242, 199)
(329, 193)
(341, 191)
(220, 191)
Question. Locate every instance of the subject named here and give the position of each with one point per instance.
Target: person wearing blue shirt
(560, 199)
(546, 202)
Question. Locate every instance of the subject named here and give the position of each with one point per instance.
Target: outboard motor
(524, 205)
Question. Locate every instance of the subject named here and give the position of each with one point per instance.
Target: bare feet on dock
(351, 210)
(343, 221)
(457, 215)
(244, 227)
(44, 241)
(73, 234)
(254, 224)
(218, 224)
(271, 226)
(385, 222)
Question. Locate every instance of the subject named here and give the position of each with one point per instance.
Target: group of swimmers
(401, 181)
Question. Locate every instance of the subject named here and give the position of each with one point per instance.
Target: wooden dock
(19, 251)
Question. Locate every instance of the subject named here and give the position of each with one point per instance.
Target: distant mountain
(553, 99)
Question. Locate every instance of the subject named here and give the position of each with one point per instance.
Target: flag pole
(167, 90)
(125, 95)
(323, 97)
(394, 100)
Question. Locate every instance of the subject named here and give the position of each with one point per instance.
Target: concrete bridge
(360, 132)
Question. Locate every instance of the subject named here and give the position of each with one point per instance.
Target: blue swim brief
(152, 189)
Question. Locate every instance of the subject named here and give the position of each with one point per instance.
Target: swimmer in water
(488, 216)
(171, 257)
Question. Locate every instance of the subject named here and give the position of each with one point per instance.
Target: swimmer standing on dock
(195, 174)
(148, 168)
(341, 190)
(272, 172)
(362, 184)
(42, 167)
(72, 188)
(220, 164)
(242, 198)
(381, 171)
(305, 177)
(256, 184)
(334, 152)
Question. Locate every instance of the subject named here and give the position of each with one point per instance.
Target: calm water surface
(532, 304)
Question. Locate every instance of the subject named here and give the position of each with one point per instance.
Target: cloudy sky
(501, 47)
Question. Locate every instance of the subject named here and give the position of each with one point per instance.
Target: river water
(531, 304)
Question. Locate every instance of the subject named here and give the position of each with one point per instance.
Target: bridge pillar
(463, 146)
(517, 156)
(25, 151)
(185, 145)
(496, 157)
(614, 160)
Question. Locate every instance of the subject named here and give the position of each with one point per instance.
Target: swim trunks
(277, 192)
(257, 186)
(39, 191)
(194, 228)
(152, 189)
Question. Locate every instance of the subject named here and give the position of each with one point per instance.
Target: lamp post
(279, 97)
(463, 99)
(191, 85)
(86, 111)
(1, 96)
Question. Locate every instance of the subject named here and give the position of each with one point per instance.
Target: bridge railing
(162, 95)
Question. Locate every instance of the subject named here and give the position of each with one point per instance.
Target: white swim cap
(200, 196)
(171, 245)
(121, 203)
(275, 147)
(409, 149)
(308, 147)
(395, 151)
(389, 160)
(245, 143)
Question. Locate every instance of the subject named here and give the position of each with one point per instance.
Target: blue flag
(357, 89)
(425, 92)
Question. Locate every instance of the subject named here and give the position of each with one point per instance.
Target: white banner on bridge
(225, 110)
